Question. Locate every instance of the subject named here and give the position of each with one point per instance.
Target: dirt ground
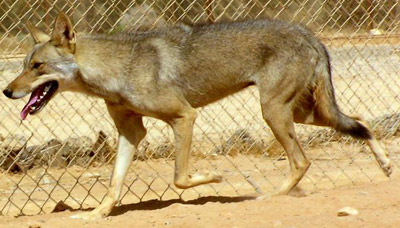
(332, 182)
(378, 205)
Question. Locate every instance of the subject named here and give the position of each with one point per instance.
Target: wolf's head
(48, 69)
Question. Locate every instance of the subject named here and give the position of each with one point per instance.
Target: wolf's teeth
(40, 97)
(46, 89)
(44, 93)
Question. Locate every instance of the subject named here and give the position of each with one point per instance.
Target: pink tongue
(32, 100)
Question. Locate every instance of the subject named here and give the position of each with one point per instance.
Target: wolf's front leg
(183, 130)
(131, 132)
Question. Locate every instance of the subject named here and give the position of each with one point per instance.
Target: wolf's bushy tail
(327, 107)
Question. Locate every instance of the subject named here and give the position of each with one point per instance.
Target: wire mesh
(66, 152)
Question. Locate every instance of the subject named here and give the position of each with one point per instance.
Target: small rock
(363, 193)
(35, 226)
(346, 211)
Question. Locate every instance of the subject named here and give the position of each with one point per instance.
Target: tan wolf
(169, 72)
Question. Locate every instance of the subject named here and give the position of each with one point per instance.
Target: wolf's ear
(38, 35)
(64, 34)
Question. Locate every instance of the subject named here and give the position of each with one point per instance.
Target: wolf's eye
(36, 65)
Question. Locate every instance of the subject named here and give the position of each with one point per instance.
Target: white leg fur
(124, 158)
(380, 156)
(131, 132)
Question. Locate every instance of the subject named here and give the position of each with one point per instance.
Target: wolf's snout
(8, 92)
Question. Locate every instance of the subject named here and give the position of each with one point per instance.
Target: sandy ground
(149, 199)
(377, 204)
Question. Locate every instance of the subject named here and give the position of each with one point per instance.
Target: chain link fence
(65, 154)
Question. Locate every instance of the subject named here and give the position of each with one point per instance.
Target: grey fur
(168, 72)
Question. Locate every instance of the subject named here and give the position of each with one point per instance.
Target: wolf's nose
(8, 92)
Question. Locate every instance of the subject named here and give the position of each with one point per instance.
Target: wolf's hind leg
(282, 126)
(380, 154)
(309, 116)
(183, 131)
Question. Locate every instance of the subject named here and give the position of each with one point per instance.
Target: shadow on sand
(157, 204)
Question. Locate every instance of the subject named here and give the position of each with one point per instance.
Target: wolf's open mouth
(39, 98)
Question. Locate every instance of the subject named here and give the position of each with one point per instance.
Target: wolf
(168, 72)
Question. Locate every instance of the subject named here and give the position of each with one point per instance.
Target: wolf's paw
(215, 177)
(387, 168)
(87, 216)
(208, 177)
(198, 179)
(297, 192)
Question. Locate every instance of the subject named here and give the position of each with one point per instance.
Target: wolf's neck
(101, 64)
